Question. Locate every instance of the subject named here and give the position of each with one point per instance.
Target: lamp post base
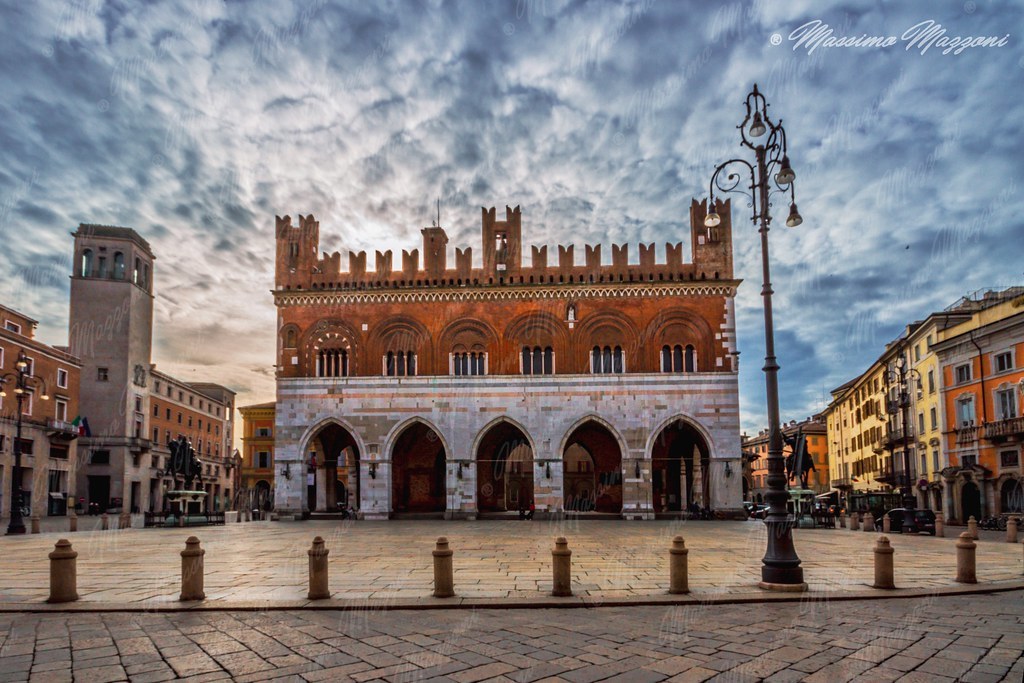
(782, 587)
(15, 529)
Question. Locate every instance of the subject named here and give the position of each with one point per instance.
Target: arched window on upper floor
(400, 364)
(538, 361)
(463, 362)
(332, 362)
(87, 265)
(679, 359)
(118, 266)
(607, 360)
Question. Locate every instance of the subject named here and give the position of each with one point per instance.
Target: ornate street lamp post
(781, 568)
(25, 383)
(898, 377)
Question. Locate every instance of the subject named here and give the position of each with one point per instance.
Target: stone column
(321, 490)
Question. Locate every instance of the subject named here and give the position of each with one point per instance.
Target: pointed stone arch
(418, 453)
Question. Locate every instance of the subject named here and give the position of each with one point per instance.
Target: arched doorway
(418, 481)
(504, 470)
(1011, 496)
(263, 497)
(592, 470)
(970, 501)
(332, 458)
(680, 463)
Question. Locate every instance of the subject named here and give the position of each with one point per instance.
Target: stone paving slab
(966, 638)
(388, 565)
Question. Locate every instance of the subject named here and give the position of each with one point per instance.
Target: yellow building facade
(856, 423)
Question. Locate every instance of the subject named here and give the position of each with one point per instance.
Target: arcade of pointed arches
(594, 458)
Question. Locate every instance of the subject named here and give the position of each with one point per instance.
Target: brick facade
(465, 390)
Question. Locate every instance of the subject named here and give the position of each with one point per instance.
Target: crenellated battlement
(300, 268)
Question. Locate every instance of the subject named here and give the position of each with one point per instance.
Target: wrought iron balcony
(1000, 430)
(60, 430)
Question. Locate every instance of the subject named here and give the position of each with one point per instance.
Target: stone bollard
(125, 521)
(72, 521)
(1011, 530)
(842, 520)
(35, 523)
(104, 522)
(561, 568)
(940, 525)
(854, 521)
(886, 523)
(972, 527)
(965, 548)
(678, 581)
(869, 522)
(318, 578)
(192, 571)
(63, 573)
(883, 564)
(444, 580)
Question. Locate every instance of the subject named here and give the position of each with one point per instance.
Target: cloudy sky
(197, 122)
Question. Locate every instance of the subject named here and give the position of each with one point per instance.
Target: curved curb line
(541, 602)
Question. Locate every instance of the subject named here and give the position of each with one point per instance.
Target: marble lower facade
(634, 445)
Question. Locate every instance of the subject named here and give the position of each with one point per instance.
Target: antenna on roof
(438, 224)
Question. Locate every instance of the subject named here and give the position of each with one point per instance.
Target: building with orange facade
(493, 387)
(48, 437)
(258, 451)
(981, 362)
(756, 448)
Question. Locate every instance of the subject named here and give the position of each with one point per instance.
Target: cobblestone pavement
(968, 638)
(266, 562)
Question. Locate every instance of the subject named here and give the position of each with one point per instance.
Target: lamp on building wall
(287, 471)
(373, 470)
(459, 472)
(547, 470)
(637, 469)
(25, 382)
(781, 565)
(728, 470)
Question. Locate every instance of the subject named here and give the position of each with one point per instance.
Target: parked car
(923, 521)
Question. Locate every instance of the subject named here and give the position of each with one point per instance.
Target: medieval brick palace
(465, 392)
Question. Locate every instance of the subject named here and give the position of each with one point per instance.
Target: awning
(831, 493)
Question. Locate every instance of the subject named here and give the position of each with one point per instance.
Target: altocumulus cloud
(195, 122)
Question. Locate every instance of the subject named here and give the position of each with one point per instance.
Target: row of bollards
(867, 523)
(966, 567)
(64, 573)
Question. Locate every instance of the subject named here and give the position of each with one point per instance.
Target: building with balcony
(981, 360)
(814, 429)
(132, 409)
(856, 428)
(49, 434)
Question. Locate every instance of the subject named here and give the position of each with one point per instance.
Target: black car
(921, 521)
